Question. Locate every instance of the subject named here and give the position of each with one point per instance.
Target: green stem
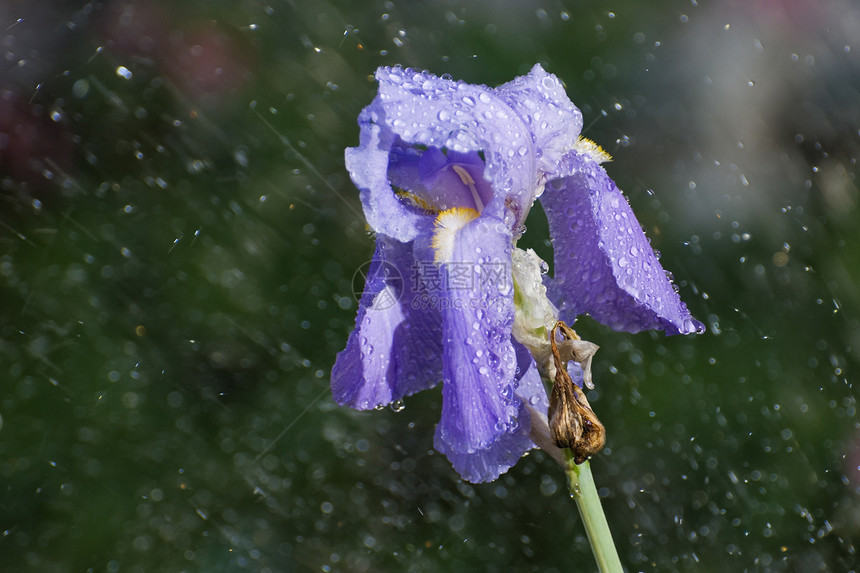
(583, 490)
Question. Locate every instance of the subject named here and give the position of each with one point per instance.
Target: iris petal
(540, 100)
(604, 263)
(489, 463)
(368, 167)
(422, 109)
(395, 349)
(478, 403)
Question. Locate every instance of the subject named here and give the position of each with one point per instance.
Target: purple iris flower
(448, 172)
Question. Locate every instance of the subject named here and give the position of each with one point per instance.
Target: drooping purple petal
(479, 364)
(395, 349)
(530, 389)
(541, 102)
(604, 264)
(487, 464)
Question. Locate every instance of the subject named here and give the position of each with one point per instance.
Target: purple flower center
(438, 180)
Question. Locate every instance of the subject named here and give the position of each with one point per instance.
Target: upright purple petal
(368, 167)
(479, 364)
(604, 263)
(423, 109)
(540, 100)
(395, 349)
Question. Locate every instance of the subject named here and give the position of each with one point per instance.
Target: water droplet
(124, 72)
(398, 406)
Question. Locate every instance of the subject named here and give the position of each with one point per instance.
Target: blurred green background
(178, 238)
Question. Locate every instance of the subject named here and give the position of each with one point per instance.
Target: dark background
(178, 238)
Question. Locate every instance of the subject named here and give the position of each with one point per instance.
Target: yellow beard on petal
(591, 149)
(448, 223)
(414, 199)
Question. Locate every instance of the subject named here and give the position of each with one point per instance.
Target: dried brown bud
(572, 422)
(593, 433)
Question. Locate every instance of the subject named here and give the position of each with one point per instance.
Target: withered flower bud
(572, 422)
